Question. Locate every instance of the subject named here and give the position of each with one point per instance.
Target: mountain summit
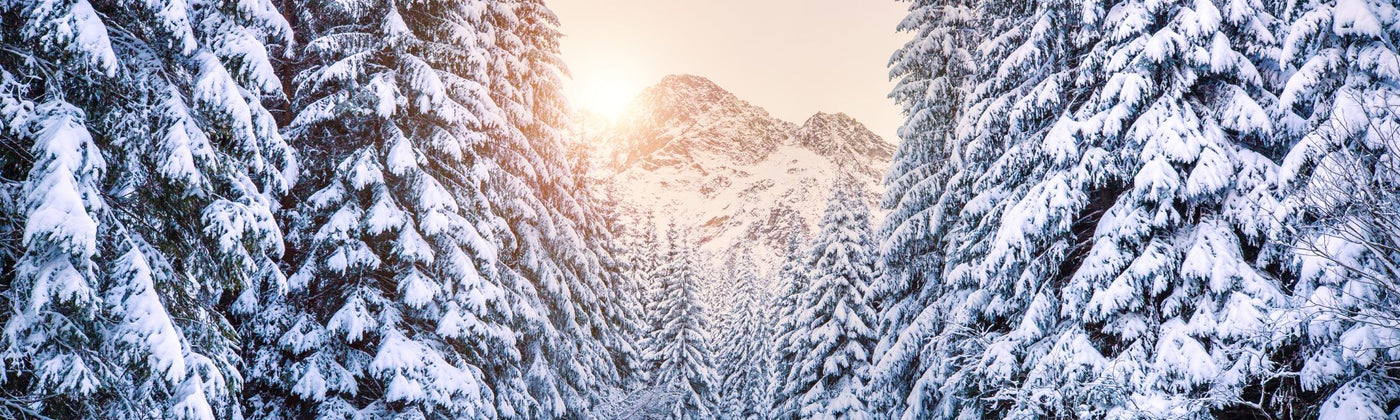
(741, 179)
(691, 114)
(840, 137)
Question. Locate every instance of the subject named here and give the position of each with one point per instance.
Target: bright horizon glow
(605, 94)
(792, 57)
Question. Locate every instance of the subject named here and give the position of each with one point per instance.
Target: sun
(605, 94)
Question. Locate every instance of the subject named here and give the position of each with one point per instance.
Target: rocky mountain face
(739, 179)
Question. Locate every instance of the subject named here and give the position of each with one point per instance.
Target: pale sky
(793, 57)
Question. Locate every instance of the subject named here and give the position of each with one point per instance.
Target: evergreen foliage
(682, 343)
(793, 283)
(1096, 241)
(1340, 179)
(141, 176)
(835, 323)
(1114, 209)
(744, 365)
(449, 263)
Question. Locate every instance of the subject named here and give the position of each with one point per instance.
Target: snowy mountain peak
(685, 98)
(826, 117)
(839, 136)
(739, 178)
(684, 116)
(686, 83)
(838, 123)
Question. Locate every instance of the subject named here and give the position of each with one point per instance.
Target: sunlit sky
(793, 57)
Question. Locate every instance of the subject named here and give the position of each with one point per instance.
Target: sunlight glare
(606, 94)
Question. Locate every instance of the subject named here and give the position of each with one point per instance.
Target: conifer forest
(392, 209)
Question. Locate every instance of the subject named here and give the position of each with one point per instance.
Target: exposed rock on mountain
(739, 178)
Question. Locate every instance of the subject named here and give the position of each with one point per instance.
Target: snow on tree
(618, 312)
(1178, 277)
(651, 272)
(57, 299)
(943, 165)
(645, 403)
(682, 344)
(447, 261)
(396, 304)
(793, 283)
(626, 327)
(933, 70)
(1341, 179)
(552, 244)
(145, 136)
(745, 346)
(11, 170)
(1103, 228)
(723, 294)
(835, 325)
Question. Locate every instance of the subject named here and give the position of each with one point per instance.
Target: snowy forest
(365, 209)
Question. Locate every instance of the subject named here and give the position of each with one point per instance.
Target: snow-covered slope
(741, 179)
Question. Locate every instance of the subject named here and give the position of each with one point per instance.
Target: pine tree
(744, 366)
(449, 259)
(1098, 248)
(792, 277)
(952, 137)
(836, 324)
(720, 294)
(934, 70)
(651, 275)
(683, 342)
(1176, 292)
(548, 245)
(626, 327)
(151, 169)
(1341, 191)
(11, 171)
(396, 305)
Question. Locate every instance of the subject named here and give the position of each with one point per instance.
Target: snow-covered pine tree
(548, 247)
(1341, 179)
(1102, 230)
(1177, 292)
(141, 134)
(763, 400)
(397, 304)
(627, 326)
(792, 280)
(933, 70)
(835, 326)
(11, 171)
(683, 342)
(744, 365)
(449, 229)
(955, 132)
(719, 293)
(649, 254)
(54, 209)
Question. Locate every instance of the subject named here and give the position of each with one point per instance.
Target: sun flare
(606, 95)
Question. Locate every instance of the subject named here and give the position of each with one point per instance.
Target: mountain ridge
(729, 171)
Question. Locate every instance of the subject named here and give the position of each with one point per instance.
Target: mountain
(688, 151)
